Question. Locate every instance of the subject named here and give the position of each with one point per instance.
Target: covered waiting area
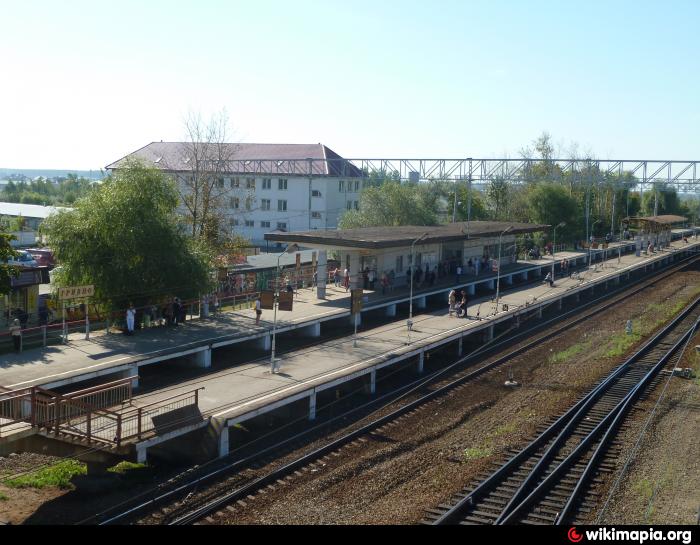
(392, 250)
(654, 231)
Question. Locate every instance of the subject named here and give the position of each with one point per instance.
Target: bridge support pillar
(391, 311)
(201, 359)
(311, 330)
(141, 454)
(460, 346)
(223, 442)
(523, 275)
(488, 334)
(421, 362)
(419, 302)
(539, 312)
(373, 381)
(312, 406)
(264, 343)
(491, 284)
(471, 289)
(559, 303)
(509, 279)
(132, 372)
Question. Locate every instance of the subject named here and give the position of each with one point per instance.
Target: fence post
(57, 413)
(87, 323)
(32, 416)
(89, 425)
(119, 430)
(138, 431)
(196, 397)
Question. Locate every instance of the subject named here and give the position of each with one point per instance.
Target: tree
(497, 194)
(202, 186)
(124, 238)
(394, 204)
(7, 272)
(551, 204)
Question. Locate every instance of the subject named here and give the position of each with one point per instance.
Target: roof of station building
(394, 237)
(667, 219)
(246, 158)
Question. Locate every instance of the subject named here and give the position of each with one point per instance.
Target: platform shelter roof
(398, 237)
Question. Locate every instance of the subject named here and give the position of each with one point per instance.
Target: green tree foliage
(551, 204)
(124, 239)
(45, 192)
(478, 209)
(6, 271)
(393, 203)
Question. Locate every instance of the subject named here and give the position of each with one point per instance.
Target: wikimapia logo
(637, 536)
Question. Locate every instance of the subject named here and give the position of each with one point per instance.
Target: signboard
(267, 299)
(76, 292)
(286, 300)
(356, 301)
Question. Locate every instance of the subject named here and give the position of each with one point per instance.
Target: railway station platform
(246, 391)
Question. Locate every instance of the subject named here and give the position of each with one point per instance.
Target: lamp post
(498, 276)
(292, 247)
(554, 246)
(590, 243)
(409, 323)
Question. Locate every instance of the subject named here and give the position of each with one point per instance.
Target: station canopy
(656, 222)
(399, 237)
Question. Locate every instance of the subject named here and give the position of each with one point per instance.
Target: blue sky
(85, 82)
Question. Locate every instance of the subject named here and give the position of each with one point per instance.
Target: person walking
(346, 279)
(258, 311)
(176, 311)
(452, 300)
(463, 305)
(336, 277)
(549, 279)
(130, 319)
(16, 332)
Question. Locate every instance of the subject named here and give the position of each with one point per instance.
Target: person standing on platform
(452, 300)
(336, 277)
(346, 279)
(549, 279)
(258, 310)
(16, 332)
(130, 318)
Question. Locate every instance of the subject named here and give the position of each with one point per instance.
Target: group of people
(171, 313)
(458, 308)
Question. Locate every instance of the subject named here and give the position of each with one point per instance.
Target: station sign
(285, 301)
(356, 301)
(75, 292)
(267, 299)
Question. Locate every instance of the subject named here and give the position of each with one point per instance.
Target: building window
(348, 205)
(235, 203)
(265, 204)
(220, 183)
(315, 193)
(356, 204)
(235, 182)
(316, 215)
(399, 264)
(281, 206)
(281, 226)
(265, 224)
(250, 183)
(341, 186)
(267, 183)
(233, 222)
(357, 185)
(249, 223)
(282, 184)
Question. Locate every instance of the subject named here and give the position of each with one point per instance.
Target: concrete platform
(246, 391)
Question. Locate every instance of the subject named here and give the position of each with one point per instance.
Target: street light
(554, 246)
(409, 323)
(288, 248)
(498, 277)
(590, 242)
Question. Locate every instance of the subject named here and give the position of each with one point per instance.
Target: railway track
(547, 481)
(251, 482)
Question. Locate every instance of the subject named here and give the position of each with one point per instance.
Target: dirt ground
(662, 485)
(421, 462)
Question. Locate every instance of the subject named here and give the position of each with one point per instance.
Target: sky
(84, 83)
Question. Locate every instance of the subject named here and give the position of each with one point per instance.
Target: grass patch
(569, 353)
(503, 429)
(124, 467)
(3, 497)
(58, 475)
(477, 453)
